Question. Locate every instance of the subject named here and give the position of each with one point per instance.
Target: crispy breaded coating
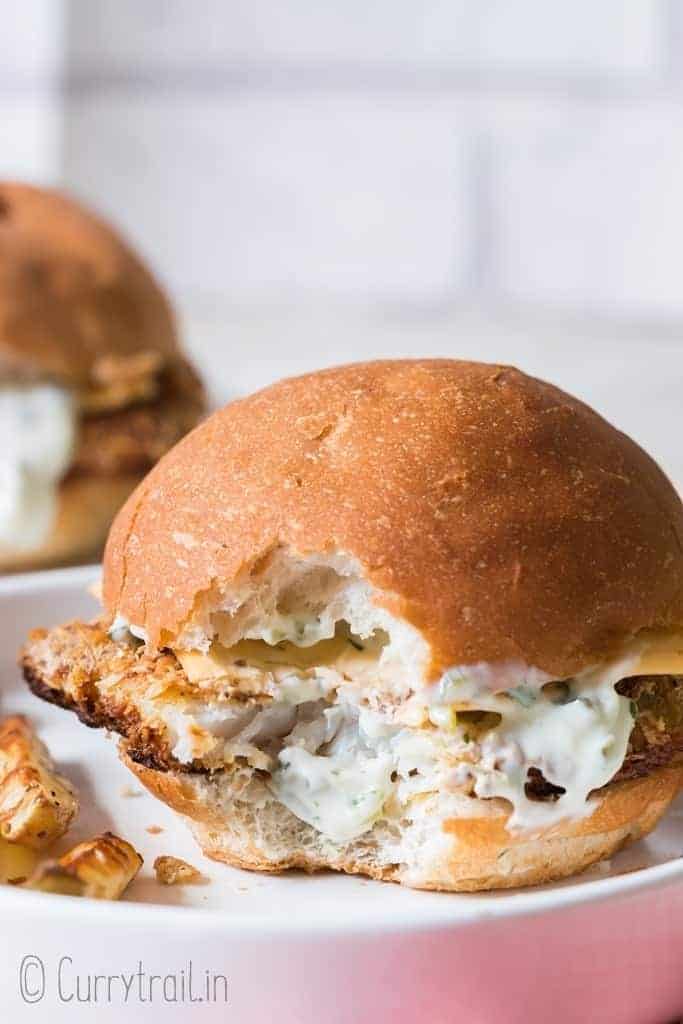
(657, 737)
(101, 868)
(36, 804)
(118, 685)
(79, 667)
(119, 380)
(133, 438)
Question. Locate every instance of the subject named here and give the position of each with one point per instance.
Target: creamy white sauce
(301, 630)
(479, 680)
(343, 788)
(37, 432)
(342, 797)
(121, 630)
(337, 764)
(578, 745)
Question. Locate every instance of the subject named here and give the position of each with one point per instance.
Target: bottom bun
(86, 506)
(236, 820)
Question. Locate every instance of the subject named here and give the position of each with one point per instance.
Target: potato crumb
(174, 871)
(154, 830)
(128, 792)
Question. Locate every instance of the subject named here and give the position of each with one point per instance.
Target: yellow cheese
(659, 654)
(199, 667)
(662, 655)
(222, 661)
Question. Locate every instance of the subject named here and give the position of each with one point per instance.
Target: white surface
(30, 127)
(586, 201)
(281, 195)
(32, 41)
(576, 37)
(234, 908)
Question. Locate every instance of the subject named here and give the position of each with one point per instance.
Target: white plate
(325, 948)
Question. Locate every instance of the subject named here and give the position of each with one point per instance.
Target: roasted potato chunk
(100, 868)
(36, 805)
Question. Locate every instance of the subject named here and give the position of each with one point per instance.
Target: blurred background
(323, 181)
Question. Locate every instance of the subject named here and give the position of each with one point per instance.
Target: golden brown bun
(86, 507)
(500, 516)
(72, 294)
(481, 855)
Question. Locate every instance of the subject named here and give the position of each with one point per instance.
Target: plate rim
(504, 907)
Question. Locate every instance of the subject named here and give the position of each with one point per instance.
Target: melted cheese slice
(221, 661)
(662, 655)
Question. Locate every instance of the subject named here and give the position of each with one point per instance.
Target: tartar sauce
(37, 432)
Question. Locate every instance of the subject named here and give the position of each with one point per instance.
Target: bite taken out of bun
(415, 619)
(496, 515)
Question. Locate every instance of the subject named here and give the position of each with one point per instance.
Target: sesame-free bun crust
(72, 293)
(473, 854)
(86, 506)
(501, 517)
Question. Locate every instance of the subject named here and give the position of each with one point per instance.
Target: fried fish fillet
(149, 701)
(132, 438)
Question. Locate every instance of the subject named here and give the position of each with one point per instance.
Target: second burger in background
(93, 386)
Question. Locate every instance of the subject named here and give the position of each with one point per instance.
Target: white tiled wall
(32, 43)
(589, 206)
(610, 36)
(30, 136)
(255, 194)
(519, 154)
(32, 58)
